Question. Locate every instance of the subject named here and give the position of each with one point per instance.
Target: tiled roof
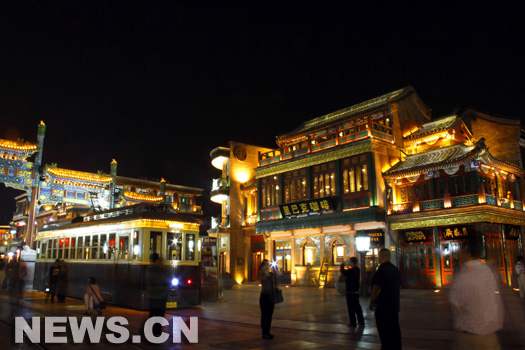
(436, 159)
(435, 126)
(325, 120)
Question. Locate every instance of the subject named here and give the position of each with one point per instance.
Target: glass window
(55, 244)
(43, 249)
(430, 257)
(422, 258)
(189, 252)
(94, 247)
(87, 244)
(155, 243)
(79, 247)
(111, 250)
(323, 178)
(104, 246)
(136, 245)
(309, 253)
(414, 264)
(123, 246)
(174, 246)
(338, 253)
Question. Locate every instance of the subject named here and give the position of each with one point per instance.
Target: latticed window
(295, 186)
(323, 179)
(270, 191)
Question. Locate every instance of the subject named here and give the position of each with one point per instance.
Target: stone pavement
(308, 319)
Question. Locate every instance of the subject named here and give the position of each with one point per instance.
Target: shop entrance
(419, 268)
(451, 260)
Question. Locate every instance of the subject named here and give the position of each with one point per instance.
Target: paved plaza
(308, 319)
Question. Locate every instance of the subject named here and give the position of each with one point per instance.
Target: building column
(437, 255)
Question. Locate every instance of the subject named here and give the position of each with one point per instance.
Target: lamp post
(362, 243)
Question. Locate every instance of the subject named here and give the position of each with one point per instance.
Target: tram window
(66, 248)
(87, 243)
(155, 243)
(103, 246)
(174, 242)
(136, 246)
(111, 250)
(72, 249)
(54, 256)
(79, 247)
(94, 247)
(50, 250)
(189, 252)
(123, 247)
(43, 249)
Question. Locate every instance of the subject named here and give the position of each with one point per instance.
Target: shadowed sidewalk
(308, 319)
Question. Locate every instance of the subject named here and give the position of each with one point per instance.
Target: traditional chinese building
(323, 185)
(53, 194)
(458, 183)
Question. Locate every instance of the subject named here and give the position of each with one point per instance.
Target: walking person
(3, 278)
(93, 297)
(63, 277)
(157, 289)
(476, 302)
(520, 274)
(352, 276)
(268, 279)
(385, 301)
(54, 272)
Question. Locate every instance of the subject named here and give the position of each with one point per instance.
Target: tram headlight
(175, 282)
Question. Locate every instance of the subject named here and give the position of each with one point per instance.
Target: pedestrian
(352, 276)
(157, 290)
(386, 285)
(520, 273)
(63, 276)
(93, 297)
(54, 272)
(3, 278)
(477, 307)
(268, 279)
(13, 269)
(22, 274)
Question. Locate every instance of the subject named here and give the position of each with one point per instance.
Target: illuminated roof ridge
(437, 159)
(435, 126)
(18, 145)
(142, 197)
(79, 175)
(348, 111)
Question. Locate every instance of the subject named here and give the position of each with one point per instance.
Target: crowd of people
(12, 276)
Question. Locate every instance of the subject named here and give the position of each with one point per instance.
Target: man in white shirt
(476, 304)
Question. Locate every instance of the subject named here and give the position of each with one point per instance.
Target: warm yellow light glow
(309, 255)
(219, 198)
(239, 280)
(437, 291)
(176, 225)
(142, 197)
(242, 177)
(219, 162)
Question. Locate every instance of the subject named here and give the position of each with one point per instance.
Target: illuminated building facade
(460, 183)
(324, 185)
(241, 250)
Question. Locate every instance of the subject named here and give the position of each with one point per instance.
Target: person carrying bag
(92, 293)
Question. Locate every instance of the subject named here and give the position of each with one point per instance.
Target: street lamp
(362, 243)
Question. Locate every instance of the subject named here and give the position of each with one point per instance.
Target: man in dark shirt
(352, 276)
(386, 285)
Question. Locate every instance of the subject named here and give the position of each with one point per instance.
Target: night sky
(158, 85)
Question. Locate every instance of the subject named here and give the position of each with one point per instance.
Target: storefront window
(283, 256)
(338, 252)
(309, 253)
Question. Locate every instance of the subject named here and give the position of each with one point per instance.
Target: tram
(115, 246)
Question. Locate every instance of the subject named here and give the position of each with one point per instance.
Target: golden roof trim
(79, 175)
(142, 197)
(18, 146)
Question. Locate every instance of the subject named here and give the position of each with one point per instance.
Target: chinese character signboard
(416, 235)
(512, 232)
(311, 207)
(457, 232)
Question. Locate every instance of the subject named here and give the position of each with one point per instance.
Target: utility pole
(35, 188)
